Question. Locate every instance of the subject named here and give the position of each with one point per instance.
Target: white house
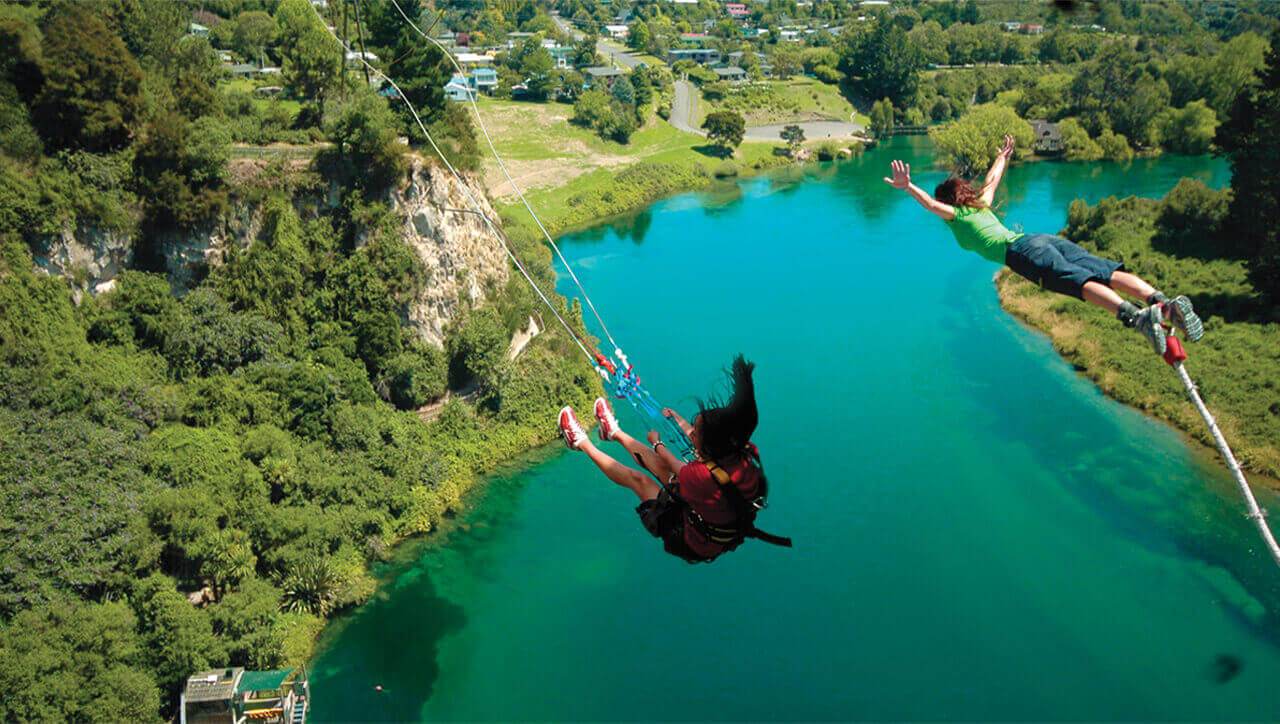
(618, 32)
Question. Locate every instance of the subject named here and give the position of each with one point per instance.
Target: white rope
(479, 210)
(475, 109)
(1255, 513)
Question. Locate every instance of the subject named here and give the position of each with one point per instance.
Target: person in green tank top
(1054, 263)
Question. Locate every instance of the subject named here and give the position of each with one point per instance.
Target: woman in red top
(696, 516)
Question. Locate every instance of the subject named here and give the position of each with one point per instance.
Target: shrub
(1115, 146)
(1189, 129)
(725, 169)
(414, 378)
(827, 151)
(827, 74)
(1191, 220)
(970, 144)
(1077, 146)
(207, 337)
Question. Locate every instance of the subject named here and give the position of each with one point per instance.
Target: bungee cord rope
(1175, 356)
(479, 209)
(475, 110)
(624, 383)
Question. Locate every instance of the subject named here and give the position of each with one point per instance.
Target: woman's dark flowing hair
(957, 191)
(727, 426)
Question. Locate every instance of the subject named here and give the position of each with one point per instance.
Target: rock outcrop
(463, 257)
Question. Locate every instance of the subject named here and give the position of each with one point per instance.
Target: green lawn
(783, 101)
(573, 177)
(247, 85)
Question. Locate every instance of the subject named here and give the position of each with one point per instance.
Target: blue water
(980, 534)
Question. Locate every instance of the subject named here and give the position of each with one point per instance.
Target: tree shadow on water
(634, 227)
(393, 642)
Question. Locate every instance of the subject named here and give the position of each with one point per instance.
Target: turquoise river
(980, 533)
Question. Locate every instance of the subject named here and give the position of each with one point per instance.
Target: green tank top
(980, 231)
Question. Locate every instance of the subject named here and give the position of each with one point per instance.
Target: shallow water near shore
(980, 534)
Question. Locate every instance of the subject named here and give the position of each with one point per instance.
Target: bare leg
(1104, 297)
(633, 480)
(1132, 285)
(644, 455)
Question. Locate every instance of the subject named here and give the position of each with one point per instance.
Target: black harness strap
(744, 510)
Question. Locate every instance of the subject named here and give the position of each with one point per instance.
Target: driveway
(567, 27)
(617, 53)
(683, 105)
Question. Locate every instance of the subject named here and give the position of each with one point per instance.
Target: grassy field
(1237, 364)
(246, 85)
(785, 101)
(572, 177)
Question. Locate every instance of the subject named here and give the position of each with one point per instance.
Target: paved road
(813, 130)
(567, 27)
(620, 55)
(685, 103)
(617, 54)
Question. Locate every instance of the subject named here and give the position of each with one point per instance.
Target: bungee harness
(744, 509)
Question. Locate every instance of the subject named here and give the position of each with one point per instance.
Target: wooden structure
(237, 696)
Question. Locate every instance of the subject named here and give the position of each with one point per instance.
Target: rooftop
(601, 71)
(217, 685)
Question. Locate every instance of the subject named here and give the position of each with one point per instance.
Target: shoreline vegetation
(1236, 365)
(198, 480)
(574, 179)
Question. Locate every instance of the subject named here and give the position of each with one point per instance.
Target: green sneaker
(1185, 318)
(1149, 323)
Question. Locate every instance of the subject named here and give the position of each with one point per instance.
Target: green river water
(980, 534)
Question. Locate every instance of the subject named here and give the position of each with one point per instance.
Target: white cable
(475, 109)
(465, 188)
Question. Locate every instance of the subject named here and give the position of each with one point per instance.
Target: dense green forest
(250, 438)
(254, 436)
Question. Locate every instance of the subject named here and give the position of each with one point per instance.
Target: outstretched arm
(996, 172)
(902, 180)
(684, 426)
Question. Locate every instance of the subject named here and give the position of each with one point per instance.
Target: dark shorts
(663, 517)
(1057, 264)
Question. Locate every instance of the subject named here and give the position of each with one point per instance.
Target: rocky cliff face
(463, 257)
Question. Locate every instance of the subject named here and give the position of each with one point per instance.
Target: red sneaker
(608, 423)
(571, 430)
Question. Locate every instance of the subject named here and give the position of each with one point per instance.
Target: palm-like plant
(312, 587)
(232, 560)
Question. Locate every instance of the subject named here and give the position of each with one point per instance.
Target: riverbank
(1236, 365)
(574, 179)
